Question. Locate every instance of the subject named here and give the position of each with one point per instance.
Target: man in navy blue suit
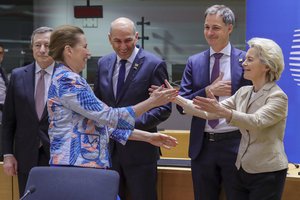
(25, 131)
(213, 144)
(123, 79)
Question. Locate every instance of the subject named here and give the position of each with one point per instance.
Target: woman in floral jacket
(80, 124)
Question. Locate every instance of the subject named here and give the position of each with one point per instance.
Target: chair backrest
(72, 183)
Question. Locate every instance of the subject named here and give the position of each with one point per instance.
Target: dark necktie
(214, 75)
(121, 77)
(40, 94)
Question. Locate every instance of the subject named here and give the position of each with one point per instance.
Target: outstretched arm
(157, 139)
(211, 105)
(158, 97)
(190, 108)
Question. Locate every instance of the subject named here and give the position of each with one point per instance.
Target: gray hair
(40, 30)
(270, 54)
(122, 21)
(223, 11)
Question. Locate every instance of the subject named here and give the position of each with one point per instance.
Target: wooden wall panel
(6, 189)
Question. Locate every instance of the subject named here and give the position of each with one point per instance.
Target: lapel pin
(136, 66)
(240, 60)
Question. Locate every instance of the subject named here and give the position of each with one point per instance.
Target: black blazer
(22, 130)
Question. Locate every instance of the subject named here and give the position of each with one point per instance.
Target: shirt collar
(226, 51)
(49, 69)
(132, 57)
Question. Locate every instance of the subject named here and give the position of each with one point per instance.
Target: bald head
(122, 23)
(123, 37)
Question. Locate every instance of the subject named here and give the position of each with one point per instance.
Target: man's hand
(10, 165)
(219, 88)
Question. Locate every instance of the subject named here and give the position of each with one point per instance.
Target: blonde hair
(269, 53)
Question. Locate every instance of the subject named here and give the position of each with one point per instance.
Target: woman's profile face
(254, 69)
(79, 54)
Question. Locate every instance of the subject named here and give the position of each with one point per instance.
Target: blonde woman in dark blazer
(260, 112)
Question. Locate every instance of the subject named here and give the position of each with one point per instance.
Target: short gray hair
(270, 54)
(40, 30)
(223, 11)
(123, 21)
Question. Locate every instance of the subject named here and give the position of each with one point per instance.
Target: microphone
(30, 190)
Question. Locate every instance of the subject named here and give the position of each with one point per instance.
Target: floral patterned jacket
(80, 124)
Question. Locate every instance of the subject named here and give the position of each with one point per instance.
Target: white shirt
(225, 67)
(128, 65)
(2, 90)
(2, 93)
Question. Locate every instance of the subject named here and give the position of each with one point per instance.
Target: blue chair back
(72, 183)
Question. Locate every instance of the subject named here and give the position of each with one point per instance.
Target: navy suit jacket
(146, 70)
(193, 83)
(22, 130)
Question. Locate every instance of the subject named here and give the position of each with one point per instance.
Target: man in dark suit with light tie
(123, 79)
(25, 125)
(213, 144)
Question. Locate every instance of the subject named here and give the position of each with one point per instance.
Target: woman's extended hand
(209, 104)
(155, 87)
(152, 88)
(158, 96)
(161, 95)
(156, 139)
(162, 140)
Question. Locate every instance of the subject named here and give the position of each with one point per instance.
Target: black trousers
(137, 181)
(22, 177)
(260, 186)
(215, 166)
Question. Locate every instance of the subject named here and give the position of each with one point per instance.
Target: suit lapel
(255, 97)
(45, 112)
(28, 84)
(261, 93)
(205, 70)
(111, 64)
(236, 60)
(244, 100)
(135, 67)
